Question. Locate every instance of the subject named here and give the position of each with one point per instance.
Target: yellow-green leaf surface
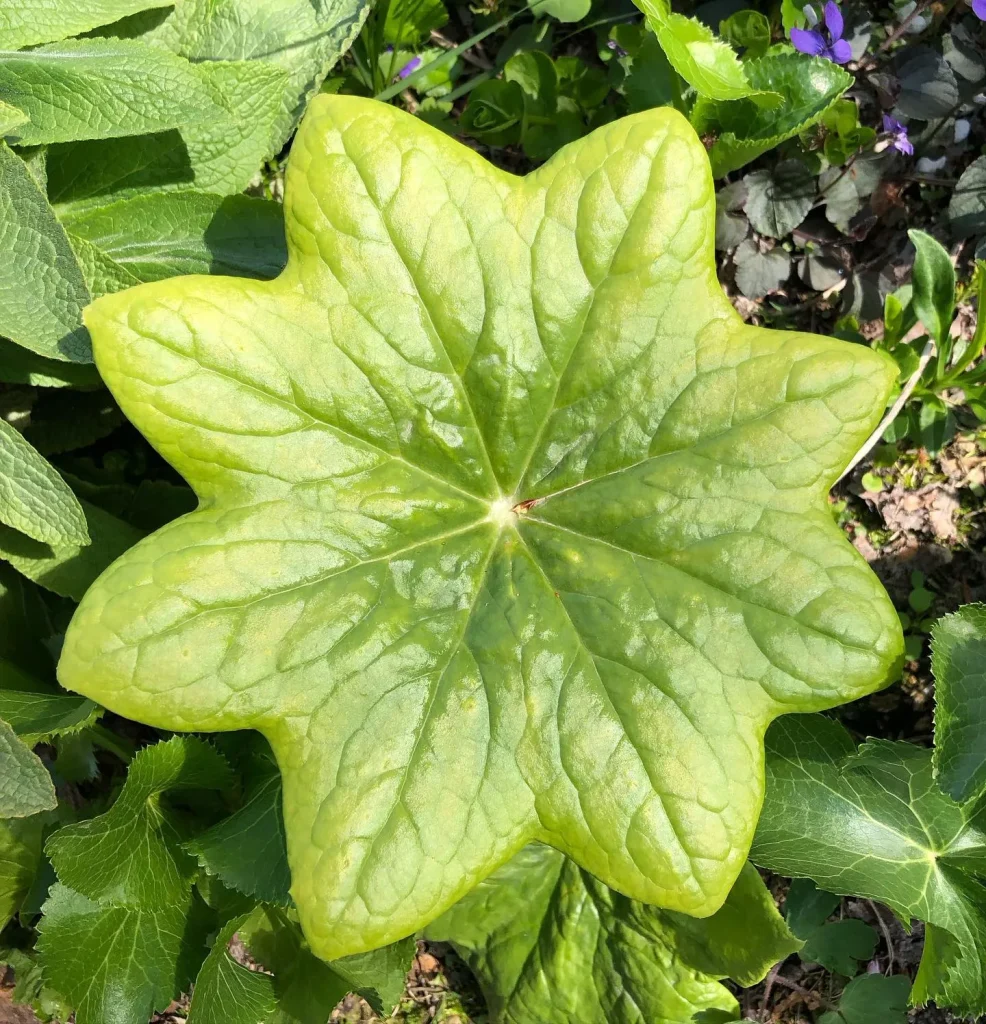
(509, 528)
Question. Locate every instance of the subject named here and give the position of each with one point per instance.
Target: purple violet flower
(409, 68)
(898, 135)
(620, 52)
(813, 41)
(979, 9)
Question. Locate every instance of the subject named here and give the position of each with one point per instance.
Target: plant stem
(892, 412)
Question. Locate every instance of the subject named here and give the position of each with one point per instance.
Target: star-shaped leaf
(509, 528)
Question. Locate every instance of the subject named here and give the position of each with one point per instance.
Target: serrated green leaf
(246, 851)
(41, 711)
(875, 825)
(302, 989)
(34, 499)
(219, 155)
(304, 38)
(20, 857)
(115, 964)
(549, 944)
(29, 22)
(958, 660)
(157, 236)
(101, 89)
(69, 571)
(743, 129)
(493, 459)
(132, 854)
(226, 992)
(42, 290)
(25, 785)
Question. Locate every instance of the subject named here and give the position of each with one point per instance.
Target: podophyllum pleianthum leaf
(25, 785)
(874, 824)
(42, 290)
(498, 488)
(550, 944)
(29, 22)
(958, 660)
(34, 499)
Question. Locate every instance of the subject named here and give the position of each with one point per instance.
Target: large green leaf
(875, 824)
(29, 22)
(101, 89)
(743, 129)
(42, 290)
(496, 488)
(551, 945)
(958, 649)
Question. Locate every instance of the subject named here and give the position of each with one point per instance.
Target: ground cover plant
(418, 429)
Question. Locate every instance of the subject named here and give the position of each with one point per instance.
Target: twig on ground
(886, 936)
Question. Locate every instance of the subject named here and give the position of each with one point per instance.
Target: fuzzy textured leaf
(20, 856)
(495, 487)
(874, 824)
(219, 154)
(958, 657)
(550, 944)
(100, 89)
(42, 290)
(29, 22)
(304, 38)
(34, 499)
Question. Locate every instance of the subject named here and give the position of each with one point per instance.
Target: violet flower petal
(903, 144)
(410, 67)
(841, 52)
(833, 21)
(811, 42)
(979, 9)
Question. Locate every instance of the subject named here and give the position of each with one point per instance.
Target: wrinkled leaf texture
(509, 528)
